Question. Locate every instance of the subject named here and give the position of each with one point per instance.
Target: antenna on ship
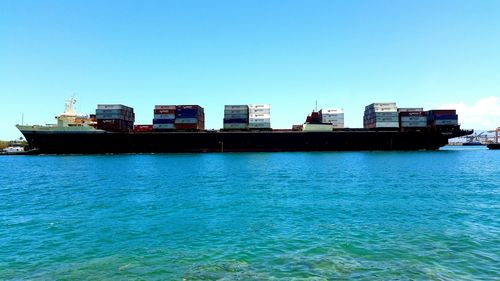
(22, 118)
(316, 106)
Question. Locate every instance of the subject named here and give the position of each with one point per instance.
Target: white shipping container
(331, 114)
(414, 118)
(186, 121)
(259, 120)
(165, 107)
(260, 111)
(259, 106)
(258, 115)
(164, 116)
(332, 111)
(163, 126)
(332, 119)
(259, 125)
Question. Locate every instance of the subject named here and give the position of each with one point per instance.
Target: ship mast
(68, 107)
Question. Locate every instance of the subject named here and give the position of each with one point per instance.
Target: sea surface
(252, 216)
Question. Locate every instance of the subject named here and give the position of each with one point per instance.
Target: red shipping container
(187, 127)
(143, 128)
(164, 111)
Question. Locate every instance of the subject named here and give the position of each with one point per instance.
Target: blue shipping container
(188, 113)
(235, 120)
(446, 117)
(163, 121)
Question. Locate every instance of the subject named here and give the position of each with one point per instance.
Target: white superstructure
(68, 121)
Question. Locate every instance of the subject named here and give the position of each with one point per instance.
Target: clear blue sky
(287, 53)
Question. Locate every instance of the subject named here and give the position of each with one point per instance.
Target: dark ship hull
(235, 141)
(494, 146)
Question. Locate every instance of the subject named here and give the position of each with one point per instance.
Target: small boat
(494, 146)
(18, 150)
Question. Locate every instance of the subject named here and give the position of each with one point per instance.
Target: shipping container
(114, 106)
(259, 120)
(163, 126)
(446, 122)
(444, 117)
(414, 118)
(259, 106)
(442, 112)
(114, 116)
(413, 113)
(164, 111)
(187, 114)
(189, 127)
(259, 116)
(236, 107)
(236, 116)
(165, 107)
(143, 128)
(163, 121)
(381, 114)
(229, 126)
(186, 120)
(113, 111)
(259, 111)
(419, 124)
(194, 107)
(235, 120)
(408, 109)
(236, 111)
(164, 116)
(332, 111)
(114, 125)
(259, 125)
(383, 119)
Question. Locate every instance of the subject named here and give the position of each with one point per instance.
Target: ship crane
(497, 132)
(474, 139)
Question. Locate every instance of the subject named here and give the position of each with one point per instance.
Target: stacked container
(333, 116)
(412, 118)
(164, 117)
(259, 116)
(381, 115)
(189, 117)
(442, 117)
(143, 128)
(114, 117)
(235, 117)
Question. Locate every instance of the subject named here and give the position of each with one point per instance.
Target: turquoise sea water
(252, 216)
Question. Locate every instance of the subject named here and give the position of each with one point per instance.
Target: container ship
(246, 128)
